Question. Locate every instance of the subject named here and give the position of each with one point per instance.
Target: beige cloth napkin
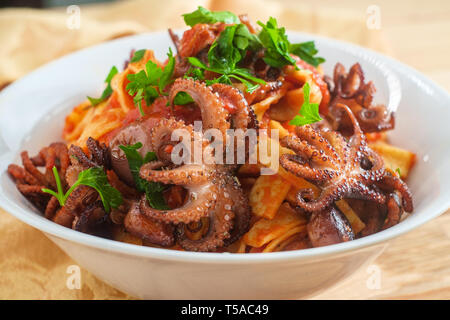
(31, 266)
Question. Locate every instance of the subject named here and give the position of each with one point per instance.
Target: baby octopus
(352, 90)
(343, 169)
(212, 193)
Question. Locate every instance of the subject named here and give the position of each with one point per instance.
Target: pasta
(316, 172)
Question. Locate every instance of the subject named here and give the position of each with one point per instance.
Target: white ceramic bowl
(31, 115)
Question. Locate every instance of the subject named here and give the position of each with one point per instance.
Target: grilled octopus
(352, 90)
(343, 169)
(212, 190)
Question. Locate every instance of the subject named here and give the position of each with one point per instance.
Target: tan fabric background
(31, 266)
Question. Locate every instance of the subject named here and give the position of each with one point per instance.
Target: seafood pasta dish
(236, 142)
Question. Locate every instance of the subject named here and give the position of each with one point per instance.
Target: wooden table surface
(416, 265)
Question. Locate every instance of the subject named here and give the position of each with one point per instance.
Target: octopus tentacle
(99, 155)
(360, 150)
(220, 224)
(30, 167)
(394, 210)
(376, 171)
(351, 89)
(315, 138)
(392, 182)
(349, 172)
(334, 193)
(339, 144)
(51, 208)
(310, 152)
(329, 226)
(148, 229)
(361, 191)
(195, 178)
(212, 108)
(19, 174)
(185, 175)
(30, 180)
(162, 135)
(200, 200)
(290, 162)
(236, 103)
(240, 207)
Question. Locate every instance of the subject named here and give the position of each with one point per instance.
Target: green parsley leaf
(138, 55)
(195, 74)
(307, 51)
(95, 178)
(223, 57)
(108, 90)
(277, 45)
(244, 39)
(309, 112)
(60, 193)
(398, 171)
(152, 190)
(150, 83)
(182, 98)
(166, 76)
(202, 15)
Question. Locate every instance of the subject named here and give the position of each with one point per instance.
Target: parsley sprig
(278, 47)
(307, 51)
(309, 112)
(138, 55)
(224, 55)
(276, 43)
(93, 177)
(108, 90)
(202, 15)
(150, 83)
(182, 98)
(272, 38)
(153, 190)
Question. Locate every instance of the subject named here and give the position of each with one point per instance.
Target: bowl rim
(53, 229)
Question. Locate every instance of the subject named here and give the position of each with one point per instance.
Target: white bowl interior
(32, 112)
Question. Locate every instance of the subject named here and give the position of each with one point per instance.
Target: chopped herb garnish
(93, 177)
(245, 40)
(153, 190)
(149, 84)
(202, 15)
(309, 112)
(307, 51)
(108, 90)
(182, 98)
(138, 55)
(195, 74)
(277, 45)
(223, 57)
(398, 171)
